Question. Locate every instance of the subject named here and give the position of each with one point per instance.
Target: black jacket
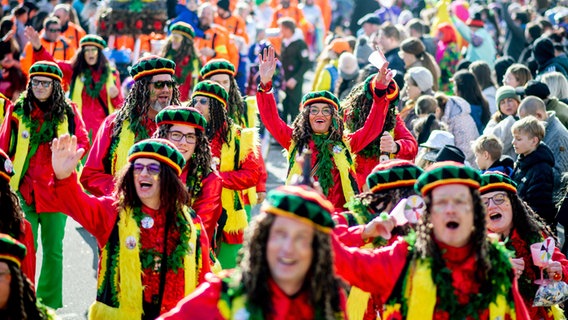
(535, 181)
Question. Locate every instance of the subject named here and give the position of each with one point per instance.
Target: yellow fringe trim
(192, 261)
(77, 94)
(126, 139)
(557, 312)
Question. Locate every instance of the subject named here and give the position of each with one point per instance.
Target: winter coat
(560, 108)
(461, 124)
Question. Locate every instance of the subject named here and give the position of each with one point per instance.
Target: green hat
(158, 149)
(216, 66)
(46, 69)
(322, 96)
(505, 92)
(93, 40)
(393, 174)
(446, 172)
(302, 203)
(496, 181)
(369, 87)
(181, 115)
(11, 249)
(6, 166)
(211, 89)
(152, 65)
(183, 28)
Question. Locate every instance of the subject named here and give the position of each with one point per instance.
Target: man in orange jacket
(69, 30)
(216, 39)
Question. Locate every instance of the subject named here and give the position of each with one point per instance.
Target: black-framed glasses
(204, 101)
(45, 84)
(162, 84)
(326, 111)
(498, 199)
(177, 136)
(54, 30)
(152, 168)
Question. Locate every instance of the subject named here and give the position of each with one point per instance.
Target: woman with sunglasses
(516, 224)
(185, 128)
(153, 248)
(94, 83)
(319, 128)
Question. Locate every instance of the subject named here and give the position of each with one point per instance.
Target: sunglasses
(177, 136)
(203, 101)
(326, 111)
(498, 199)
(45, 84)
(162, 84)
(152, 168)
(54, 30)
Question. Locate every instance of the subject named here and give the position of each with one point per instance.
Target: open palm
(65, 156)
(267, 64)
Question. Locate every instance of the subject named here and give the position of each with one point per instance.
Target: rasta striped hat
(11, 249)
(46, 69)
(393, 174)
(212, 90)
(181, 115)
(496, 181)
(6, 166)
(447, 172)
(369, 86)
(216, 66)
(152, 65)
(158, 149)
(183, 28)
(322, 96)
(93, 40)
(301, 203)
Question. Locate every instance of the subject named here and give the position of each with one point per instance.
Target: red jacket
(29, 262)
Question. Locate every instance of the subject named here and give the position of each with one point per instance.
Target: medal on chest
(147, 222)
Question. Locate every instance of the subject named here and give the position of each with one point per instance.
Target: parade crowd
(425, 142)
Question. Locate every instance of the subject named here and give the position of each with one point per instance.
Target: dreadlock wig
(185, 56)
(22, 302)
(219, 122)
(302, 130)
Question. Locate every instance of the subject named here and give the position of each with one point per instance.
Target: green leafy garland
(46, 132)
(93, 91)
(187, 68)
(194, 183)
(175, 260)
(324, 163)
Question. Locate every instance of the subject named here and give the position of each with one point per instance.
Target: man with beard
(215, 41)
(69, 30)
(41, 114)
(153, 90)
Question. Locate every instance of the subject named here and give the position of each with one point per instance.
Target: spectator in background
(547, 60)
(467, 87)
(314, 15)
(13, 80)
(501, 66)
(533, 32)
(188, 13)
(517, 75)
(418, 81)
(370, 25)
(348, 73)
(414, 54)
(388, 40)
(20, 13)
(326, 71)
(488, 150)
(481, 45)
(515, 20)
(69, 30)
(557, 84)
(539, 89)
(488, 88)
(447, 55)
(417, 29)
(502, 120)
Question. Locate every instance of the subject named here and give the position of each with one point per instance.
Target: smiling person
(286, 271)
(153, 250)
(41, 113)
(507, 102)
(153, 90)
(94, 83)
(319, 127)
(185, 128)
(516, 224)
(450, 270)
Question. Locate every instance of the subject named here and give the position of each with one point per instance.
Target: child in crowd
(533, 169)
(488, 150)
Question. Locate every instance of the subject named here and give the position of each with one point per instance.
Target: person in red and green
(449, 269)
(286, 271)
(41, 113)
(154, 250)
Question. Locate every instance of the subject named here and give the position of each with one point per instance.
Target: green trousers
(50, 284)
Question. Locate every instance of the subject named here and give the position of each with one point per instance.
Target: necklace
(93, 91)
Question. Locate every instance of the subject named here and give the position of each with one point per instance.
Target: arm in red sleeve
(261, 184)
(94, 178)
(119, 99)
(246, 176)
(97, 215)
(208, 204)
(205, 249)
(521, 310)
(65, 66)
(29, 262)
(80, 130)
(351, 237)
(269, 116)
(201, 304)
(6, 131)
(373, 271)
(406, 141)
(560, 257)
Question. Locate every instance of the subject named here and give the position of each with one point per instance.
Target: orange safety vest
(74, 33)
(235, 25)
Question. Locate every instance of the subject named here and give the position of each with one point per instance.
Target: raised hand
(267, 64)
(379, 227)
(33, 37)
(65, 156)
(386, 75)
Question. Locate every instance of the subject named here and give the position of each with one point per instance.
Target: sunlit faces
(184, 138)
(5, 279)
(202, 104)
(42, 87)
(91, 54)
(483, 160)
(509, 106)
(509, 79)
(222, 79)
(147, 181)
(206, 17)
(412, 90)
(177, 39)
(523, 143)
(52, 32)
(499, 213)
(320, 115)
(161, 96)
(452, 214)
(289, 252)
(409, 58)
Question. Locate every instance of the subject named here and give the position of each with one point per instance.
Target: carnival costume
(428, 288)
(149, 258)
(110, 151)
(332, 161)
(187, 70)
(520, 245)
(26, 137)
